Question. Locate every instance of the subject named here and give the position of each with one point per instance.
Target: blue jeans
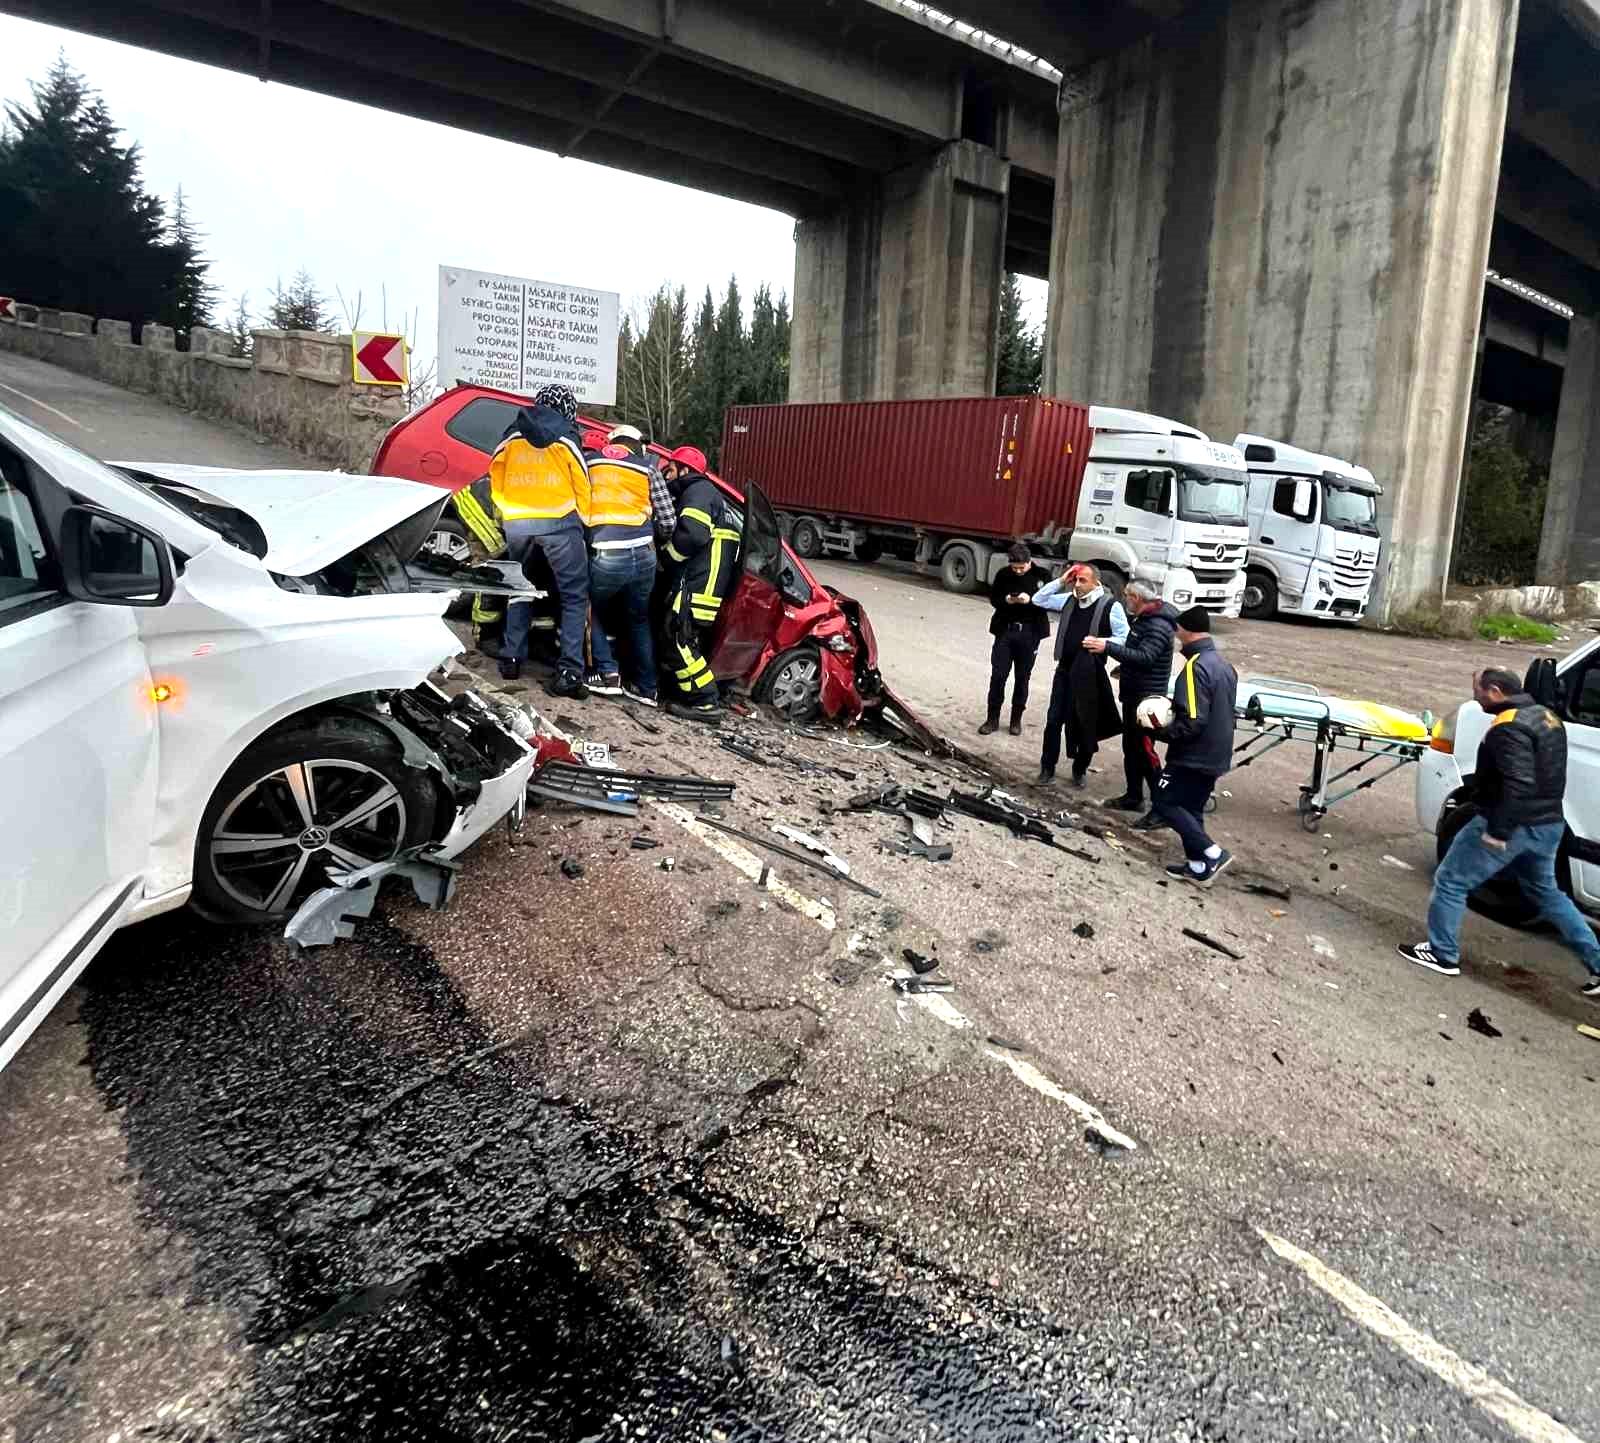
(1530, 856)
(564, 547)
(625, 576)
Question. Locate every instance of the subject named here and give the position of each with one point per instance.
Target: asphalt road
(665, 1154)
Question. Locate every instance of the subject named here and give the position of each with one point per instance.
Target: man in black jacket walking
(1017, 627)
(1145, 655)
(1518, 791)
(1199, 747)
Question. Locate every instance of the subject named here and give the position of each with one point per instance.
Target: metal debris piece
(742, 749)
(1008, 1043)
(571, 867)
(330, 913)
(1266, 889)
(921, 829)
(644, 844)
(1478, 1021)
(986, 810)
(1589, 1031)
(924, 804)
(804, 858)
(917, 962)
(911, 847)
(1213, 944)
(566, 781)
(1084, 930)
(917, 985)
(812, 844)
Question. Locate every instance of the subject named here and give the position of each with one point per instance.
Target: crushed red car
(791, 640)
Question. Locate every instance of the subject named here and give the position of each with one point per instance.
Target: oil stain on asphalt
(423, 1241)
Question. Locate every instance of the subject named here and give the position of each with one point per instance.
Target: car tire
(805, 538)
(1260, 601)
(451, 538)
(1500, 899)
(352, 766)
(792, 683)
(958, 570)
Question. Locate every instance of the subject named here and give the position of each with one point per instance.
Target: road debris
(616, 791)
(917, 962)
(916, 986)
(1478, 1021)
(1589, 1031)
(1320, 945)
(1389, 861)
(988, 940)
(572, 868)
(1008, 1043)
(742, 750)
(1084, 930)
(812, 844)
(816, 864)
(1269, 889)
(644, 844)
(1213, 944)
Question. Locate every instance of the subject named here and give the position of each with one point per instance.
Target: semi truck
(1314, 539)
(950, 484)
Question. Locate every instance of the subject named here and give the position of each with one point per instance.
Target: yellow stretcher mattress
(1297, 701)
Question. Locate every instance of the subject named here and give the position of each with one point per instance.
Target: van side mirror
(1540, 682)
(1305, 501)
(113, 562)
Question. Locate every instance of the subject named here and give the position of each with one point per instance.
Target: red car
(793, 641)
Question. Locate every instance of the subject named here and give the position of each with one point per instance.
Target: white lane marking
(35, 401)
(747, 862)
(938, 1006)
(1030, 1076)
(1493, 1397)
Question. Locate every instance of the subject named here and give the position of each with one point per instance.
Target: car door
(1581, 689)
(749, 617)
(77, 760)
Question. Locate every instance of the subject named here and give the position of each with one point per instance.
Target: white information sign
(518, 335)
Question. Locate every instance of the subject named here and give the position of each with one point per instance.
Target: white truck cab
(1164, 503)
(1313, 533)
(1571, 689)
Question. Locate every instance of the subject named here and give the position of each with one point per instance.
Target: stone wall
(296, 390)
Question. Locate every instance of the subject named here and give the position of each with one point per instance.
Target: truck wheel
(793, 684)
(1500, 898)
(1111, 578)
(869, 550)
(1260, 597)
(335, 792)
(959, 570)
(805, 536)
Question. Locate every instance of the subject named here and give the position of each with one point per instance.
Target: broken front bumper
(476, 750)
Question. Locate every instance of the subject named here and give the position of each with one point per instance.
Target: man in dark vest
(1017, 628)
(1081, 702)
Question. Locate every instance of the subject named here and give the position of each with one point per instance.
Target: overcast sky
(364, 199)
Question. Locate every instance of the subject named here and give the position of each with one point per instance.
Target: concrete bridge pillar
(897, 293)
(1274, 215)
(1569, 544)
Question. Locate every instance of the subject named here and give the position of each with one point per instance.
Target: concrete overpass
(1264, 213)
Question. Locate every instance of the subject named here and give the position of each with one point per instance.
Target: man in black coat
(1199, 747)
(1081, 703)
(1145, 655)
(1518, 792)
(1017, 627)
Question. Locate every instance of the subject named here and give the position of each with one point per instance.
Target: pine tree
(1021, 352)
(239, 328)
(77, 228)
(193, 295)
(299, 306)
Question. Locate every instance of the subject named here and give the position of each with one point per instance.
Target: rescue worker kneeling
(701, 561)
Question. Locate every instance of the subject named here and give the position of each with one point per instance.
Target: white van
(213, 688)
(1313, 533)
(1571, 689)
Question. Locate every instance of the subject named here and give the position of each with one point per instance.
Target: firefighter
(701, 559)
(622, 566)
(540, 484)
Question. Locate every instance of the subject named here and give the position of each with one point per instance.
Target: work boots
(1016, 724)
(989, 727)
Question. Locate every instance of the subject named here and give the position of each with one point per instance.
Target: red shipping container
(993, 466)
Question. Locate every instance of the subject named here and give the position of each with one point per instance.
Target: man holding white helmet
(1199, 740)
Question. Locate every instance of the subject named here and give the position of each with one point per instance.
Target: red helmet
(593, 440)
(692, 457)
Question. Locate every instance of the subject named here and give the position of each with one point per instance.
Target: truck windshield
(1346, 509)
(1211, 493)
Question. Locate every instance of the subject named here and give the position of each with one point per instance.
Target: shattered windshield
(1211, 493)
(1346, 509)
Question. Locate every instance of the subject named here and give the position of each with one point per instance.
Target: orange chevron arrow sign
(378, 359)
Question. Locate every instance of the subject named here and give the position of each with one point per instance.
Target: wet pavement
(645, 1153)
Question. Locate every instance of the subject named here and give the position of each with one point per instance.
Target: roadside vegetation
(1501, 626)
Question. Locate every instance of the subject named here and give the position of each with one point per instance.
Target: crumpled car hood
(310, 518)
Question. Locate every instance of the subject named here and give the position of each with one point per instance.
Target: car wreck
(217, 689)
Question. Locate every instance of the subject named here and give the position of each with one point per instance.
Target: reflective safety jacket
(705, 547)
(538, 472)
(619, 507)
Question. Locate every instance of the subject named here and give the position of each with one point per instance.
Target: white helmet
(1154, 711)
(626, 433)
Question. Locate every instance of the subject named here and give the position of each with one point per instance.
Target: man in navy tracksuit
(1199, 747)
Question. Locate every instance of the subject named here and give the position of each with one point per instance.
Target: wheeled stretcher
(1278, 712)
